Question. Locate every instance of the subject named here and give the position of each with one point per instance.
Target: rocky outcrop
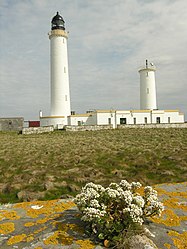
(140, 242)
(30, 196)
(56, 224)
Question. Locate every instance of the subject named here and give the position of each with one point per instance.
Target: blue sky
(108, 42)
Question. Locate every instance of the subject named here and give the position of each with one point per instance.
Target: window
(134, 120)
(79, 123)
(145, 120)
(123, 120)
(158, 120)
(147, 90)
(147, 74)
(66, 98)
(64, 69)
(169, 120)
(109, 121)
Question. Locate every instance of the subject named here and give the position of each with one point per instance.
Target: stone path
(56, 224)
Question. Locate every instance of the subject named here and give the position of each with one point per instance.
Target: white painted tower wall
(60, 93)
(147, 88)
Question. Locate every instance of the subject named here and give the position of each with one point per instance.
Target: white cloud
(108, 41)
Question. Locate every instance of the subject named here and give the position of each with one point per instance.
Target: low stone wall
(37, 130)
(179, 125)
(87, 127)
(11, 124)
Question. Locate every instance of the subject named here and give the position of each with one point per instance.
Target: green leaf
(101, 236)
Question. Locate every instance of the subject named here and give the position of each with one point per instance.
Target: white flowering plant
(117, 208)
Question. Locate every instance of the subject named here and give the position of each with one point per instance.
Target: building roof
(52, 117)
(123, 111)
(81, 115)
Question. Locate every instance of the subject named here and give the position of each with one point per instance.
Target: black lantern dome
(57, 22)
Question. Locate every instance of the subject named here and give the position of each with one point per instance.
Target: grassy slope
(71, 159)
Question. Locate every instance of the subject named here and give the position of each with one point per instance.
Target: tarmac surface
(56, 224)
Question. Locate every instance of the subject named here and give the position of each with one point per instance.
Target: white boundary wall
(88, 127)
(37, 130)
(184, 125)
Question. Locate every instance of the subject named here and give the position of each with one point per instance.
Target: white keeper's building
(60, 115)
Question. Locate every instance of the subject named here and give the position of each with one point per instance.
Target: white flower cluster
(153, 206)
(117, 203)
(91, 214)
(112, 193)
(135, 186)
(89, 196)
(125, 185)
(95, 203)
(97, 187)
(88, 202)
(139, 201)
(135, 213)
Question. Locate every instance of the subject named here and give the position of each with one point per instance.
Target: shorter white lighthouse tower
(60, 93)
(148, 87)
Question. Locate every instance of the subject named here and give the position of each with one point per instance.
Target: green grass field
(62, 162)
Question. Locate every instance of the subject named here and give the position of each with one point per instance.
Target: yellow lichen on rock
(85, 244)
(182, 218)
(40, 230)
(179, 240)
(59, 237)
(61, 207)
(51, 240)
(183, 206)
(172, 233)
(77, 228)
(48, 208)
(1, 215)
(34, 213)
(29, 238)
(67, 227)
(25, 205)
(171, 218)
(7, 228)
(140, 191)
(168, 246)
(16, 239)
(175, 203)
(29, 224)
(11, 215)
(170, 194)
(42, 221)
(171, 203)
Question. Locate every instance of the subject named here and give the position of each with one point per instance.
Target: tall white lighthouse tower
(148, 87)
(60, 93)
